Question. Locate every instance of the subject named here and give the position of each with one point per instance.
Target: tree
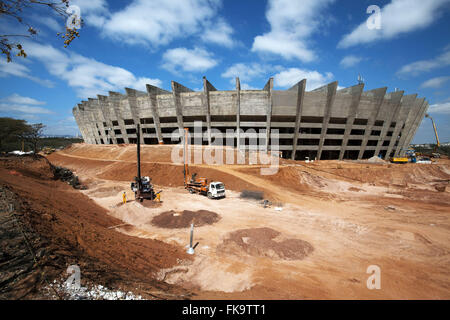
(11, 129)
(33, 135)
(14, 9)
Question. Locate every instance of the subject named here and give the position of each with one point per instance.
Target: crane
(438, 144)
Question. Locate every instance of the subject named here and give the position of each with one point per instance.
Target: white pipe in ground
(191, 249)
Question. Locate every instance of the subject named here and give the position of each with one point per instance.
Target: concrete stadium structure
(324, 123)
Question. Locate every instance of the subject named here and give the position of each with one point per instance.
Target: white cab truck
(216, 190)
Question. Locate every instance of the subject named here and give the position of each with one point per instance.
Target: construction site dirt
(328, 222)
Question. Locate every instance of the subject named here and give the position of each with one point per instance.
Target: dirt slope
(66, 227)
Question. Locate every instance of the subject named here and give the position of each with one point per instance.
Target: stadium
(326, 123)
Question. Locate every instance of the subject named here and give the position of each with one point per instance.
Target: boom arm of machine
(142, 186)
(438, 144)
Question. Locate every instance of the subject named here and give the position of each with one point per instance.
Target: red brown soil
(118, 164)
(66, 227)
(171, 219)
(260, 242)
(168, 175)
(349, 230)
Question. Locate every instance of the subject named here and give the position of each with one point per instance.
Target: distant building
(325, 123)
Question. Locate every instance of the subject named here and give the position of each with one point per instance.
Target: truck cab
(216, 190)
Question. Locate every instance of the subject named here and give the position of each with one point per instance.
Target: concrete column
(91, 120)
(152, 92)
(238, 113)
(104, 106)
(83, 126)
(394, 107)
(98, 118)
(300, 88)
(400, 117)
(378, 95)
(269, 88)
(134, 110)
(331, 94)
(408, 131)
(78, 119)
(409, 119)
(414, 127)
(425, 110)
(356, 92)
(86, 125)
(176, 90)
(114, 100)
(207, 87)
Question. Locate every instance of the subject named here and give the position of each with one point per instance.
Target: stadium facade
(325, 123)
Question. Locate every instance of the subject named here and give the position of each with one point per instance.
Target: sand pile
(375, 159)
(260, 242)
(171, 219)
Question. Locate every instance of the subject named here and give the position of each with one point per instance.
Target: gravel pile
(94, 292)
(66, 175)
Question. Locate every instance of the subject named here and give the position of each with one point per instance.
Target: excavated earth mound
(260, 242)
(173, 220)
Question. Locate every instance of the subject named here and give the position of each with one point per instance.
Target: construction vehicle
(142, 186)
(411, 154)
(399, 160)
(435, 154)
(195, 184)
(47, 150)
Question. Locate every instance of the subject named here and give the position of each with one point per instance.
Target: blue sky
(130, 43)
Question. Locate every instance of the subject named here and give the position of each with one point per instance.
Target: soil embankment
(53, 226)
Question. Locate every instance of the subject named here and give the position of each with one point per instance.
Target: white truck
(216, 190)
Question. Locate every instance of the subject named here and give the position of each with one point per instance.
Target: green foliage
(14, 132)
(57, 143)
(11, 131)
(32, 135)
(443, 150)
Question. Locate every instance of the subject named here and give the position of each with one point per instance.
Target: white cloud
(19, 70)
(418, 67)
(284, 78)
(156, 22)
(13, 108)
(435, 82)
(18, 99)
(245, 86)
(246, 72)
(397, 17)
(291, 76)
(192, 60)
(87, 76)
(291, 25)
(16, 103)
(219, 33)
(350, 61)
(90, 6)
(249, 72)
(65, 126)
(440, 108)
(49, 22)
